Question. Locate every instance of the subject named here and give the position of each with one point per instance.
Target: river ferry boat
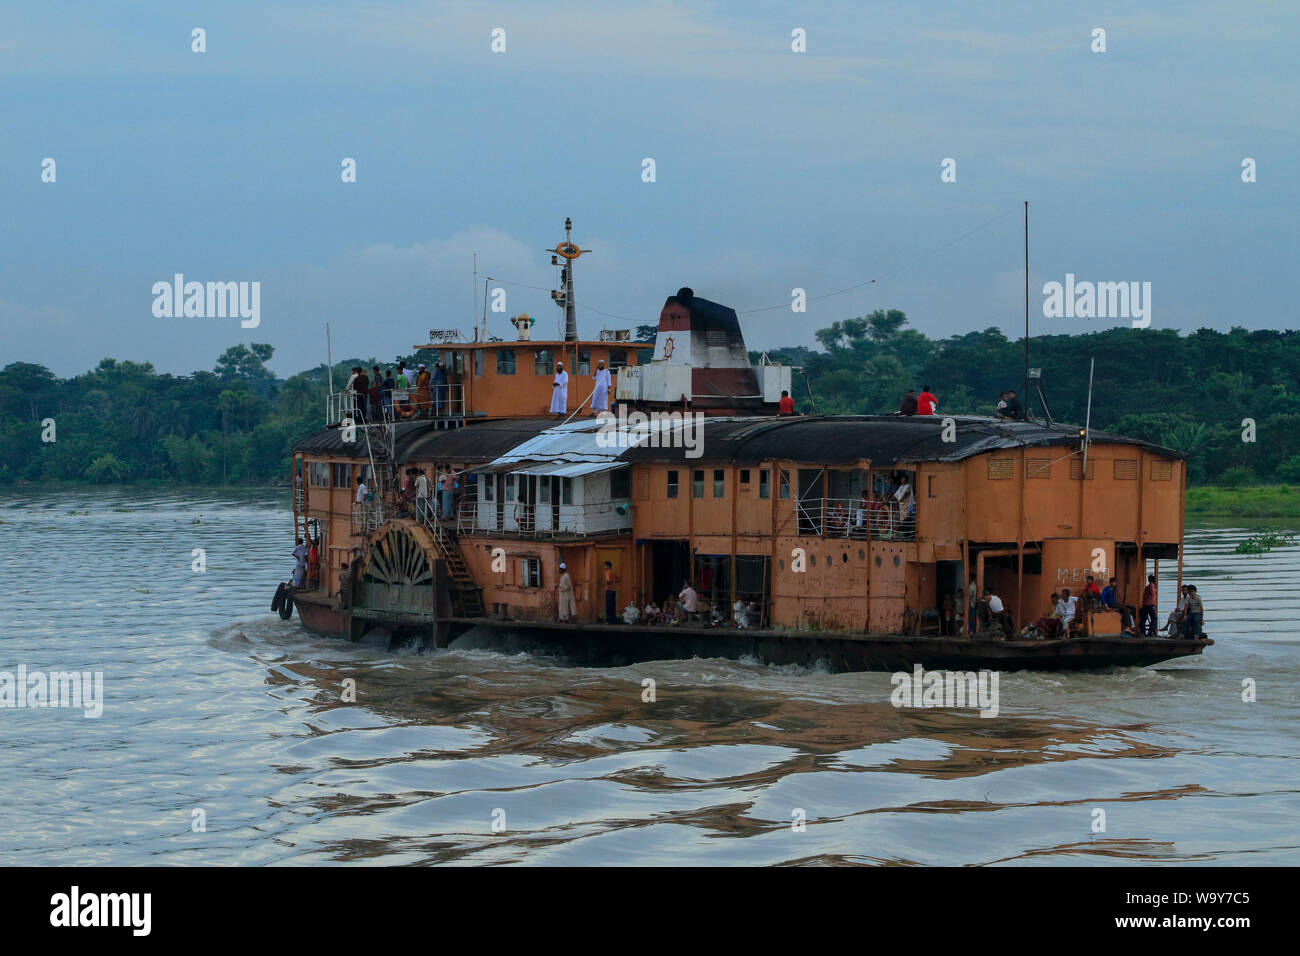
(790, 528)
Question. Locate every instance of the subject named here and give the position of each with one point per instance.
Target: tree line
(1202, 394)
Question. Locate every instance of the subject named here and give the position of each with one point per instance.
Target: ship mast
(564, 296)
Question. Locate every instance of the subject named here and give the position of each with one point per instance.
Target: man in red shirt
(786, 406)
(925, 402)
(1147, 616)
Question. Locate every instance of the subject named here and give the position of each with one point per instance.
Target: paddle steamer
(762, 512)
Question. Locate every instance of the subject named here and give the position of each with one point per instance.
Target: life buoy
(279, 596)
(568, 250)
(405, 409)
(286, 606)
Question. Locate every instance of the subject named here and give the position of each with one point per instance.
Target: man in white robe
(600, 397)
(560, 391)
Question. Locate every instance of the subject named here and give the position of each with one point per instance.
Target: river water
(216, 712)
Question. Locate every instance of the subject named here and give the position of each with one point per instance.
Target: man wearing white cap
(600, 397)
(564, 588)
(560, 390)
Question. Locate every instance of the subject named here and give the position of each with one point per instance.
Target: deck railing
(855, 518)
(404, 404)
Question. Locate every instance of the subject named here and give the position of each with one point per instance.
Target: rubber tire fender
(279, 596)
(286, 607)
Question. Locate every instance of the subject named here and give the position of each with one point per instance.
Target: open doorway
(670, 565)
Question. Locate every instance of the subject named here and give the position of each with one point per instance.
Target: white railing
(518, 519)
(443, 401)
(367, 516)
(883, 518)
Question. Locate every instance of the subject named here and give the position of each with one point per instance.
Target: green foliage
(1261, 542)
(123, 421)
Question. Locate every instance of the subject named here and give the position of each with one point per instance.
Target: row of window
(544, 361)
(720, 483)
(1123, 469)
(322, 474)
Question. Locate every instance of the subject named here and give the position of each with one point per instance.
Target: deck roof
(815, 439)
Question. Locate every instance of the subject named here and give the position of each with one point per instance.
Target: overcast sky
(774, 169)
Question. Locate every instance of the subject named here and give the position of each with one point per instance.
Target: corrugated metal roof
(881, 439)
(570, 443)
(422, 441)
(565, 470)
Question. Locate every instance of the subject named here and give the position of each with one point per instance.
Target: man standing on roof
(600, 397)
(423, 394)
(926, 402)
(909, 403)
(560, 392)
(441, 390)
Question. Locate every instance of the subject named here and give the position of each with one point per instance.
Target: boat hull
(593, 644)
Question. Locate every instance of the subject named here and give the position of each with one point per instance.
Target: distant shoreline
(1249, 501)
(1203, 501)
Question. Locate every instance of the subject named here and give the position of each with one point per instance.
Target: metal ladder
(465, 592)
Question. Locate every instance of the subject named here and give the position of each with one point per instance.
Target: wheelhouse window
(584, 361)
(341, 475)
(478, 361)
(672, 484)
(617, 358)
(544, 362)
(318, 474)
(505, 361)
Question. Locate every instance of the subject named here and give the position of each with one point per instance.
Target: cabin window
(1000, 468)
(478, 361)
(318, 474)
(1076, 468)
(457, 363)
(510, 488)
(1126, 469)
(1038, 468)
(744, 479)
(719, 483)
(620, 483)
(785, 484)
(584, 361)
(341, 475)
(929, 487)
(544, 362)
(566, 491)
(530, 572)
(489, 483)
(697, 483)
(505, 361)
(1162, 471)
(544, 490)
(764, 485)
(672, 484)
(617, 358)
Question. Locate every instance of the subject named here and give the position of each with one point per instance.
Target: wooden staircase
(466, 596)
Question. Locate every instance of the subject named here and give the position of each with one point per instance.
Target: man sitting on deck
(997, 613)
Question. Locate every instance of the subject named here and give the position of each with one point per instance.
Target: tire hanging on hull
(279, 597)
(286, 606)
